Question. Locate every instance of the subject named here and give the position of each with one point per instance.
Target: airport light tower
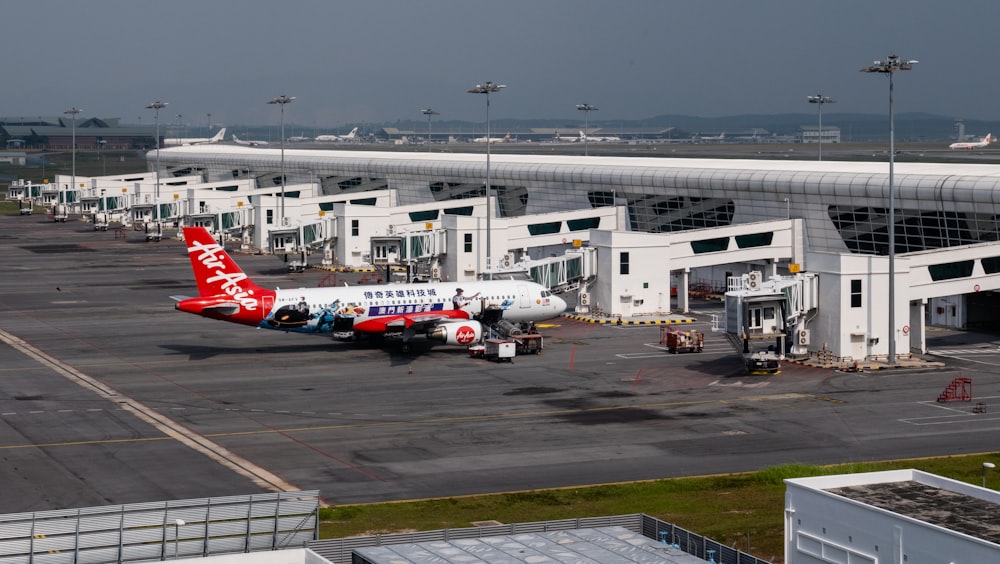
(819, 100)
(889, 66)
(488, 88)
(586, 109)
(281, 101)
(429, 112)
(73, 112)
(156, 107)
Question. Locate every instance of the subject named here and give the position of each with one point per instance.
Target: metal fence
(339, 551)
(161, 530)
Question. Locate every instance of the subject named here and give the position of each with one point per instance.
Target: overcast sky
(359, 61)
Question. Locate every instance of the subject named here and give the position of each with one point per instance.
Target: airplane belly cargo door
(523, 297)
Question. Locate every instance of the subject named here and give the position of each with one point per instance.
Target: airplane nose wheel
(406, 347)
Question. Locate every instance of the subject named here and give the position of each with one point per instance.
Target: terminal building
(800, 247)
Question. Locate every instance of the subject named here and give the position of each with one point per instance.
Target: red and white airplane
(973, 145)
(439, 311)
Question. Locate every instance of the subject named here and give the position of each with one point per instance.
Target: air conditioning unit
(754, 280)
(803, 337)
(285, 221)
(391, 229)
(585, 298)
(506, 261)
(436, 273)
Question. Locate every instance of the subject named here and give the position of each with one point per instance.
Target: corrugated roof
(602, 545)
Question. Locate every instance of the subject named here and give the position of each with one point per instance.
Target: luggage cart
(677, 341)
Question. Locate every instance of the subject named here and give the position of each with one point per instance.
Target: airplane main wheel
(406, 347)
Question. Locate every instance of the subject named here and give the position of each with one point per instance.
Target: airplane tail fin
(989, 138)
(351, 134)
(225, 291)
(237, 139)
(214, 270)
(218, 136)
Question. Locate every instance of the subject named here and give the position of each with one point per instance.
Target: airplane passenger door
(523, 297)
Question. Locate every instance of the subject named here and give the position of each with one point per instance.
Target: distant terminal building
(811, 134)
(56, 133)
(16, 158)
(895, 516)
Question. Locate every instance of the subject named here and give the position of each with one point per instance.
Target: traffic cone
(409, 370)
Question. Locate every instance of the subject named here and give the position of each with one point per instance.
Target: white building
(893, 517)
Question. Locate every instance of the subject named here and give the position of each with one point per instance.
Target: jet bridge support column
(683, 302)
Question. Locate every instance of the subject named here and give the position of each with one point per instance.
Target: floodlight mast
(586, 109)
(819, 100)
(156, 107)
(281, 101)
(429, 112)
(889, 66)
(488, 88)
(73, 112)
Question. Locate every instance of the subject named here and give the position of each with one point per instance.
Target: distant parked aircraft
(334, 138)
(251, 143)
(710, 139)
(492, 140)
(585, 137)
(568, 139)
(195, 140)
(985, 141)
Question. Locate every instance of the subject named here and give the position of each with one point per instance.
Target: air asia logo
(465, 335)
(227, 282)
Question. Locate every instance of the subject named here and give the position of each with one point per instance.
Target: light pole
(586, 109)
(156, 107)
(281, 101)
(987, 465)
(429, 112)
(488, 88)
(819, 100)
(72, 111)
(178, 523)
(888, 67)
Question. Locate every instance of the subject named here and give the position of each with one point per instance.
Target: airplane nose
(559, 304)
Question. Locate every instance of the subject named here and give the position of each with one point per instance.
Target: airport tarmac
(108, 395)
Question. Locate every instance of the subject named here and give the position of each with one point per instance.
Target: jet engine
(464, 332)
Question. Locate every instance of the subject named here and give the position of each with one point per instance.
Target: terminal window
(856, 293)
(623, 265)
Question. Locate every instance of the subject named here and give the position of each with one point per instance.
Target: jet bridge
(233, 222)
(419, 251)
(771, 315)
(572, 271)
(302, 239)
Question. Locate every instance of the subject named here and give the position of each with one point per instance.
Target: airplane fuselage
(372, 307)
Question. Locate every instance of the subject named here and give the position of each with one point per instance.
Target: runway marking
(952, 352)
(661, 352)
(370, 424)
(739, 384)
(955, 415)
(182, 434)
